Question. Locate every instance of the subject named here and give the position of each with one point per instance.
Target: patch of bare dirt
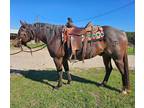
(42, 60)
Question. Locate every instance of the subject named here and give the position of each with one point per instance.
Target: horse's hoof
(64, 83)
(124, 92)
(55, 88)
(103, 84)
(69, 82)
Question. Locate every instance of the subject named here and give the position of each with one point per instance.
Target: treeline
(131, 37)
(13, 36)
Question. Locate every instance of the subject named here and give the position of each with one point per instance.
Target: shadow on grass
(44, 76)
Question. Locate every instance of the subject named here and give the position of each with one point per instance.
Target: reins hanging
(31, 50)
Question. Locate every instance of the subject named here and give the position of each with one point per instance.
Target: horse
(112, 46)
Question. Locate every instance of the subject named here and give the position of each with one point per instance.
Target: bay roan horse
(113, 46)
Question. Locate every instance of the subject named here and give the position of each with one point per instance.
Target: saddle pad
(95, 34)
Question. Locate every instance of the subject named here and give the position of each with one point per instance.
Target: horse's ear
(22, 23)
(25, 22)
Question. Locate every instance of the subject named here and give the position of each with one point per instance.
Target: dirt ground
(41, 60)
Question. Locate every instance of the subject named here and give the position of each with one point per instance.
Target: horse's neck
(40, 35)
(44, 35)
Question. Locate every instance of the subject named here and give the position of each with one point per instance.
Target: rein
(31, 50)
(16, 52)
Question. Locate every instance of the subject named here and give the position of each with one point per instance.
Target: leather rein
(22, 50)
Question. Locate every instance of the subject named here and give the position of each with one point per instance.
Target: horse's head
(25, 34)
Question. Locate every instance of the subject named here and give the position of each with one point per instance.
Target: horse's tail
(126, 69)
(125, 59)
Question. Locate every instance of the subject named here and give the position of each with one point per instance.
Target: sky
(100, 12)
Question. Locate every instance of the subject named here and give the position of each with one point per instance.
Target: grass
(33, 45)
(131, 51)
(33, 89)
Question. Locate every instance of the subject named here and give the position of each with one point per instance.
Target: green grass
(33, 45)
(32, 89)
(131, 51)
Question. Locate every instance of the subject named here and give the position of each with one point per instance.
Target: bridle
(31, 37)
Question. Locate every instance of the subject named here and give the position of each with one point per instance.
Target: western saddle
(77, 38)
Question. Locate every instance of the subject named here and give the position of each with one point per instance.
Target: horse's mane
(51, 29)
(47, 24)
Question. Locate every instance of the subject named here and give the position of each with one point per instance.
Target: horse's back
(113, 32)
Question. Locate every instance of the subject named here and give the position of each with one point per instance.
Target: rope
(30, 51)
(16, 52)
(37, 46)
(35, 50)
(106, 13)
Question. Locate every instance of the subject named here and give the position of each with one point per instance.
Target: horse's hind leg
(58, 63)
(108, 68)
(66, 67)
(125, 76)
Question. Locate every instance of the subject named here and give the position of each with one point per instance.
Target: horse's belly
(95, 48)
(91, 52)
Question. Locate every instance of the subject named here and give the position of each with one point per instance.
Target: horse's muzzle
(16, 43)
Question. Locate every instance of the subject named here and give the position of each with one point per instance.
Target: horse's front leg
(58, 64)
(66, 67)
